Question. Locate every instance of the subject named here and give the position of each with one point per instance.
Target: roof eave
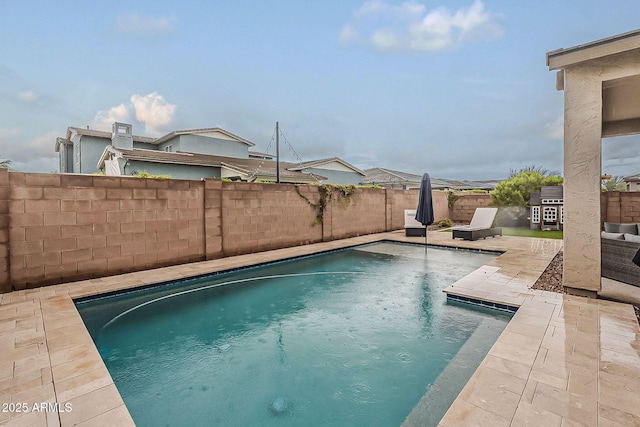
(61, 141)
(560, 58)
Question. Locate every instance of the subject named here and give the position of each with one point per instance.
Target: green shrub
(517, 190)
(145, 174)
(451, 199)
(445, 223)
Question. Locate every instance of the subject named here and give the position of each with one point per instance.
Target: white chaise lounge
(481, 226)
(411, 226)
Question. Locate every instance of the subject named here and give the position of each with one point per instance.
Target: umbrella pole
(425, 238)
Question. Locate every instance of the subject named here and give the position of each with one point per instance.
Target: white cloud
(348, 34)
(6, 134)
(105, 118)
(386, 39)
(27, 96)
(20, 152)
(410, 27)
(40, 146)
(555, 129)
(137, 26)
(152, 110)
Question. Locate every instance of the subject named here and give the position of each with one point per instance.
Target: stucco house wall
(206, 145)
(65, 158)
(336, 176)
(144, 146)
(86, 152)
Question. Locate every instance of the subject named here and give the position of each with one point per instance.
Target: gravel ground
(551, 279)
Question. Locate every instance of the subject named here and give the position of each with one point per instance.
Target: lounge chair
(411, 226)
(480, 227)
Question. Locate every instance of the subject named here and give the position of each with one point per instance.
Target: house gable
(217, 133)
(334, 163)
(334, 166)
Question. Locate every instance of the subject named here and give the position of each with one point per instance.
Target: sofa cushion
(632, 238)
(612, 236)
(628, 228)
(614, 227)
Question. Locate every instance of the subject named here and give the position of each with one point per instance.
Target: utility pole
(277, 153)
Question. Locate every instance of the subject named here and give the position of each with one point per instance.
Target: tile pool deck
(561, 361)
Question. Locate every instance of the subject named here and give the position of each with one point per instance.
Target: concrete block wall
(630, 207)
(259, 217)
(213, 218)
(615, 206)
(59, 228)
(5, 282)
(362, 212)
(71, 227)
(440, 205)
(466, 205)
(620, 206)
(399, 200)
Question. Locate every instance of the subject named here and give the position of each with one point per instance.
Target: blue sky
(459, 89)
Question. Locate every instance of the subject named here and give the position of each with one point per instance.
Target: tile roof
(103, 134)
(381, 175)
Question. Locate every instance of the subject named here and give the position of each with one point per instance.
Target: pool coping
(561, 359)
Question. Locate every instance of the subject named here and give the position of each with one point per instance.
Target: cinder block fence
(59, 228)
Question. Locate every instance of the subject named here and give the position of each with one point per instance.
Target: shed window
(561, 214)
(549, 214)
(535, 214)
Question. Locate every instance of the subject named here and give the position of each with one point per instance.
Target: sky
(459, 89)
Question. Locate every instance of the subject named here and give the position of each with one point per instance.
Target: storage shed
(547, 208)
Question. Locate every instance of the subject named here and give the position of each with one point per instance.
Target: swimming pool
(352, 337)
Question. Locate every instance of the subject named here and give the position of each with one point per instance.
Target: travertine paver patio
(561, 361)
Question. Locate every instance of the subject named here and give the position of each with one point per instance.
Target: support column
(582, 172)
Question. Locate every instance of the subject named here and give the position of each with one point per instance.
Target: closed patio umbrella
(424, 213)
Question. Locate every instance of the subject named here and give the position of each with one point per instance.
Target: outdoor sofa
(619, 244)
(481, 226)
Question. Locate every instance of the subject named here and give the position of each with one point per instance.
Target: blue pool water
(349, 338)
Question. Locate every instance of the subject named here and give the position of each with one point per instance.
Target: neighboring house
(547, 208)
(189, 154)
(81, 150)
(632, 183)
(195, 166)
(336, 171)
(402, 180)
(487, 185)
(388, 178)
